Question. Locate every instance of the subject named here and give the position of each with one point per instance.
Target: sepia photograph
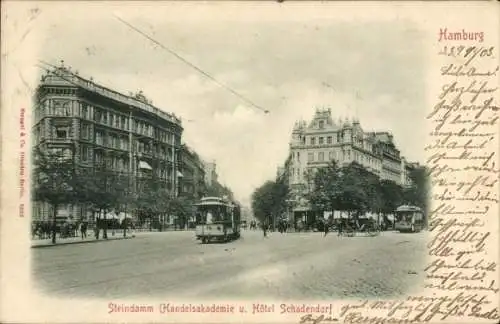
(228, 159)
(250, 162)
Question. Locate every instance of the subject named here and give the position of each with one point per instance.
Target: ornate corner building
(314, 144)
(93, 124)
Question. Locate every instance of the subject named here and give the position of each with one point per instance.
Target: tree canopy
(269, 201)
(354, 189)
(54, 182)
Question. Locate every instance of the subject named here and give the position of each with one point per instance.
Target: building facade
(211, 177)
(93, 125)
(314, 144)
(193, 171)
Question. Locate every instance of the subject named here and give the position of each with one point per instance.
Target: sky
(374, 70)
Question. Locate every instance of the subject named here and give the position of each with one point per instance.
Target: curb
(80, 242)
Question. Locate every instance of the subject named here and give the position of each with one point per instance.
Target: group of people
(44, 229)
(341, 225)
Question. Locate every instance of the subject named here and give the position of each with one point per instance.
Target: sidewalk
(91, 239)
(79, 240)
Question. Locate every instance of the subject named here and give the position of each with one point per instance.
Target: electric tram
(409, 219)
(217, 219)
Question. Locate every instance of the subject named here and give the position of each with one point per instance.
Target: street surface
(282, 266)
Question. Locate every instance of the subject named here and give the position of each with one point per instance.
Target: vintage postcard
(250, 162)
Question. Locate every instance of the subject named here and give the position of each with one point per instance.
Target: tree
(105, 190)
(54, 182)
(418, 193)
(355, 196)
(152, 199)
(325, 191)
(269, 201)
(392, 196)
(182, 208)
(281, 192)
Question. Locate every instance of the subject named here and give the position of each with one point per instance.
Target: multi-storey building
(315, 144)
(283, 176)
(407, 168)
(211, 177)
(93, 125)
(193, 171)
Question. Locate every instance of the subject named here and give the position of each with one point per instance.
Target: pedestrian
(326, 228)
(96, 231)
(83, 229)
(264, 229)
(341, 224)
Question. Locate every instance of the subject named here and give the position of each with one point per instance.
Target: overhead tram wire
(206, 74)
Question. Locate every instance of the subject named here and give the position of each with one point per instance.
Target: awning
(144, 165)
(179, 174)
(301, 209)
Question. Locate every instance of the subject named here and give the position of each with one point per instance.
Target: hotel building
(313, 145)
(92, 124)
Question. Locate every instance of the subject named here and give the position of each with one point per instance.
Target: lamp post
(290, 203)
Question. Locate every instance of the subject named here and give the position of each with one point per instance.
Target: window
(85, 132)
(313, 141)
(62, 132)
(99, 138)
(310, 157)
(298, 156)
(111, 119)
(84, 155)
(97, 115)
(321, 124)
(67, 108)
(321, 141)
(124, 143)
(104, 119)
(85, 110)
(321, 156)
(123, 122)
(58, 108)
(329, 140)
(109, 162)
(331, 155)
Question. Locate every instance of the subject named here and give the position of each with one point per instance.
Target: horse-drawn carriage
(353, 227)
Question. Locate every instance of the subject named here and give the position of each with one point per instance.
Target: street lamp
(290, 203)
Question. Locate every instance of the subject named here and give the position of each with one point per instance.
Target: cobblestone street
(288, 266)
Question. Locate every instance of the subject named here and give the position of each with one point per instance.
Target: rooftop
(63, 76)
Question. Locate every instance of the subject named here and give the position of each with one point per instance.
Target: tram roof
(214, 201)
(408, 208)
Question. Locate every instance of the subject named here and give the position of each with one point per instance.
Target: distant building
(211, 177)
(193, 171)
(283, 175)
(92, 124)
